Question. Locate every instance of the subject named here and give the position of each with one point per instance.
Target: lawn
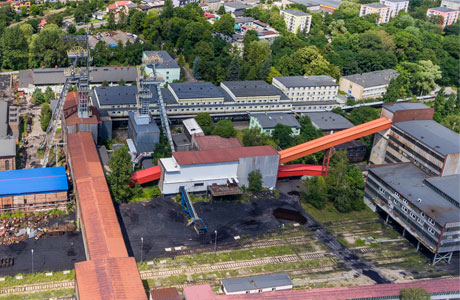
(40, 295)
(330, 214)
(35, 278)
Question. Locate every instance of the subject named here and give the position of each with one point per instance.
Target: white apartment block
(376, 8)
(308, 88)
(396, 6)
(296, 20)
(452, 4)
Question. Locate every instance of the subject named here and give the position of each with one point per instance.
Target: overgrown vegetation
(255, 181)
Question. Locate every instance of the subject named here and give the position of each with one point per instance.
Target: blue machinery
(187, 204)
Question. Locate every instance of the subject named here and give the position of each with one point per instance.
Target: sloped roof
(211, 142)
(270, 120)
(371, 79)
(256, 282)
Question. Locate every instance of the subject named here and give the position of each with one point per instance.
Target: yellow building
(376, 8)
(296, 20)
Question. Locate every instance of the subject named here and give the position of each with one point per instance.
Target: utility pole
(142, 246)
(215, 243)
(32, 260)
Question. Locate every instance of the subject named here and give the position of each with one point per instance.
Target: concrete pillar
(418, 245)
(386, 221)
(404, 232)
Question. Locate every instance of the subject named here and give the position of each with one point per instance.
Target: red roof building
(211, 142)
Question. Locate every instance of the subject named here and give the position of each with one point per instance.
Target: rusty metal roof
(109, 278)
(221, 155)
(165, 294)
(99, 220)
(216, 142)
(71, 114)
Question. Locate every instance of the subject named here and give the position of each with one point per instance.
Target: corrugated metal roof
(103, 234)
(165, 294)
(370, 79)
(221, 155)
(204, 292)
(211, 142)
(256, 282)
(109, 278)
(33, 181)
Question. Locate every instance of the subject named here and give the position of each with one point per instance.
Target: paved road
(95, 25)
(188, 74)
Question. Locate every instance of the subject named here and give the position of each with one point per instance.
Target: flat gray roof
(331, 3)
(25, 78)
(432, 134)
(443, 9)
(371, 79)
(393, 107)
(168, 61)
(296, 12)
(256, 282)
(307, 81)
(253, 88)
(7, 147)
(113, 95)
(3, 119)
(449, 185)
(408, 181)
(375, 5)
(191, 90)
(270, 120)
(152, 127)
(328, 121)
(236, 5)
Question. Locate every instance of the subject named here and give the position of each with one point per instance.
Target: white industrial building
(196, 170)
(168, 69)
(257, 284)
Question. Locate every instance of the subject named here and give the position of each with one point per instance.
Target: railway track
(31, 288)
(233, 265)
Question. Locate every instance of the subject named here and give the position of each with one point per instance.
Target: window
(404, 209)
(273, 289)
(396, 195)
(412, 215)
(395, 201)
(422, 214)
(420, 221)
(431, 230)
(405, 201)
(430, 220)
(7, 164)
(199, 184)
(382, 191)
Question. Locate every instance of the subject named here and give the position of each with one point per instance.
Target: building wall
(379, 147)
(451, 164)
(374, 92)
(196, 178)
(169, 75)
(316, 93)
(383, 12)
(254, 123)
(451, 4)
(267, 165)
(396, 7)
(7, 163)
(256, 291)
(408, 115)
(296, 24)
(351, 88)
(34, 202)
(448, 18)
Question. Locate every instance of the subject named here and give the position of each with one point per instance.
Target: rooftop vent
(419, 200)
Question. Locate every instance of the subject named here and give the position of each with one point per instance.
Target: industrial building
(414, 137)
(267, 122)
(257, 284)
(438, 289)
(143, 132)
(211, 142)
(426, 207)
(168, 69)
(330, 122)
(367, 85)
(29, 80)
(190, 130)
(33, 189)
(196, 170)
(7, 142)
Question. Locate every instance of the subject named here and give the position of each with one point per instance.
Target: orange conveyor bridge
(293, 153)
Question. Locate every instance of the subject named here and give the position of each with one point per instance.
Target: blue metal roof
(33, 181)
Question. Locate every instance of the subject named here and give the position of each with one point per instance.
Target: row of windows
(310, 88)
(312, 93)
(418, 144)
(313, 98)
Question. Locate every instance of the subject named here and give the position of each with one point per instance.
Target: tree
(28, 31)
(221, 10)
(282, 135)
(257, 52)
(48, 49)
(255, 181)
(233, 73)
(136, 21)
(414, 294)
(314, 191)
(422, 76)
(121, 82)
(363, 114)
(225, 25)
(119, 176)
(168, 10)
(38, 96)
(111, 21)
(205, 122)
(224, 128)
(14, 48)
(452, 122)
(105, 83)
(273, 73)
(162, 149)
(254, 137)
(71, 29)
(49, 94)
(45, 116)
(397, 89)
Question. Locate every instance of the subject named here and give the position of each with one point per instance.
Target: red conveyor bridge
(293, 153)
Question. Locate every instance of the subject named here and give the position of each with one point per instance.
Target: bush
(255, 181)
(314, 191)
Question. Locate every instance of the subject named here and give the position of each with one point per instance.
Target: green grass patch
(40, 295)
(148, 193)
(36, 278)
(330, 214)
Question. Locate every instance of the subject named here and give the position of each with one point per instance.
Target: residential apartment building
(168, 69)
(452, 4)
(449, 16)
(396, 6)
(367, 85)
(267, 122)
(376, 8)
(213, 5)
(426, 207)
(296, 20)
(415, 137)
(309, 92)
